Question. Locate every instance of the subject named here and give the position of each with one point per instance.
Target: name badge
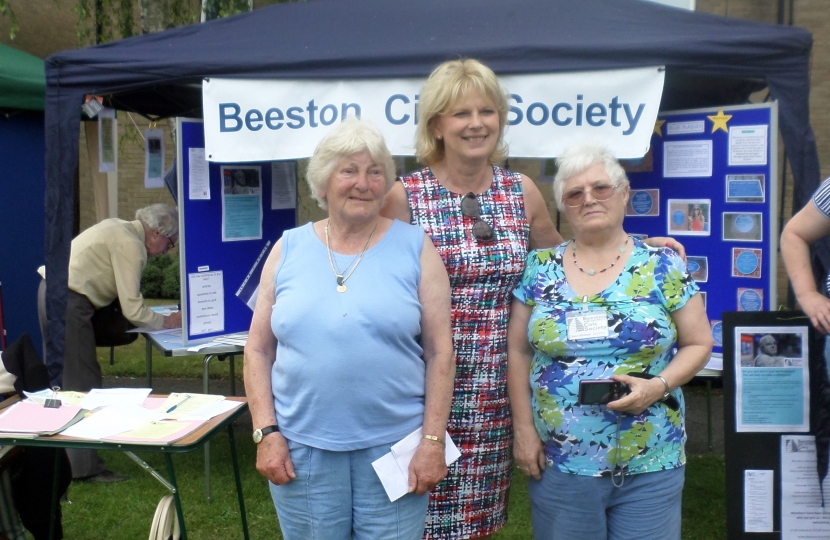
(587, 324)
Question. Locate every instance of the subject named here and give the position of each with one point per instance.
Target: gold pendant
(341, 288)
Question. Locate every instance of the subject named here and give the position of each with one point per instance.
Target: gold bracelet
(434, 438)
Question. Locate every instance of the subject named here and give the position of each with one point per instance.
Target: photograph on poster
(689, 217)
(698, 268)
(687, 159)
(241, 180)
(744, 226)
(746, 262)
(750, 299)
(803, 512)
(748, 145)
(241, 203)
(745, 188)
(643, 202)
(772, 379)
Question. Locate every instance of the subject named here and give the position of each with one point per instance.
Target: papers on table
(66, 397)
(111, 421)
(179, 405)
(393, 468)
(118, 397)
(32, 418)
(239, 339)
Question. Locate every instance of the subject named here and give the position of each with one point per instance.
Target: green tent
(22, 80)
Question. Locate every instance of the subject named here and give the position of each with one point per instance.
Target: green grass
(123, 511)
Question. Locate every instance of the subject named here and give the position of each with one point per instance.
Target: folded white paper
(393, 468)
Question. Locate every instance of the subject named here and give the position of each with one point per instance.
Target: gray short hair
(160, 217)
(577, 159)
(352, 136)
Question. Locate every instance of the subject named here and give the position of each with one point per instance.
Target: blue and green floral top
(641, 337)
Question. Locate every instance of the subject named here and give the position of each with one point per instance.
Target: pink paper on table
(153, 403)
(27, 417)
(190, 427)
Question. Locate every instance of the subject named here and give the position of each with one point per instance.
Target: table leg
(238, 482)
(233, 375)
(53, 514)
(206, 383)
(169, 460)
(709, 414)
(149, 361)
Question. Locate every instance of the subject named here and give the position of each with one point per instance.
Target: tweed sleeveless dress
(472, 500)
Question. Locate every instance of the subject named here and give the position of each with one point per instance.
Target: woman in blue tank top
(350, 351)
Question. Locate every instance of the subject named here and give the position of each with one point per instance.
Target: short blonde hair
(577, 159)
(445, 86)
(352, 136)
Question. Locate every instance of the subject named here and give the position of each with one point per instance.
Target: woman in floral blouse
(603, 306)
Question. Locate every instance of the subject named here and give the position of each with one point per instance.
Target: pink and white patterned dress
(472, 500)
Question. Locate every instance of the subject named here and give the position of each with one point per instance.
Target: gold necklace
(341, 279)
(591, 271)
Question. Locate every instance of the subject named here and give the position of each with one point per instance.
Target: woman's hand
(428, 467)
(644, 394)
(529, 453)
(273, 460)
(667, 241)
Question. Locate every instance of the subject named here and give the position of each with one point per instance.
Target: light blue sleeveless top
(349, 372)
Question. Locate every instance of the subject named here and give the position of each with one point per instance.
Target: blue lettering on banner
(253, 120)
(273, 118)
(396, 121)
(515, 110)
(224, 117)
(295, 114)
(402, 109)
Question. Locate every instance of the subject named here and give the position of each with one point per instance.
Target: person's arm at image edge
(273, 460)
(806, 227)
(527, 446)
(428, 466)
(694, 347)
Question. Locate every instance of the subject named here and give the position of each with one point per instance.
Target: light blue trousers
(646, 507)
(337, 496)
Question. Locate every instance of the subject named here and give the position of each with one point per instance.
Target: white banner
(254, 120)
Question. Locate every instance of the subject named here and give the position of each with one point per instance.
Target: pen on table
(171, 409)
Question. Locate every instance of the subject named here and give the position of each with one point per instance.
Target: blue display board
(228, 226)
(710, 180)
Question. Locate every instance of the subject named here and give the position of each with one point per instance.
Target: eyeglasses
(482, 231)
(170, 243)
(600, 193)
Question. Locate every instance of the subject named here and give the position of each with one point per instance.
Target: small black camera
(601, 391)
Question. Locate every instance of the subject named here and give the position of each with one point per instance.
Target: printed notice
(758, 500)
(802, 517)
(684, 128)
(198, 177)
(687, 159)
(283, 185)
(241, 203)
(748, 145)
(772, 391)
(206, 293)
(153, 158)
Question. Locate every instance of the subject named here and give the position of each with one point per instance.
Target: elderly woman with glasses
(349, 352)
(105, 264)
(482, 218)
(603, 332)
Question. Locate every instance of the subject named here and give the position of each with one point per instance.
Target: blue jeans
(337, 496)
(646, 507)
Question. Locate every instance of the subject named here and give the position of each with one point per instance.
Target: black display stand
(757, 450)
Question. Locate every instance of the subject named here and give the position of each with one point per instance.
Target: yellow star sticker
(658, 127)
(719, 121)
